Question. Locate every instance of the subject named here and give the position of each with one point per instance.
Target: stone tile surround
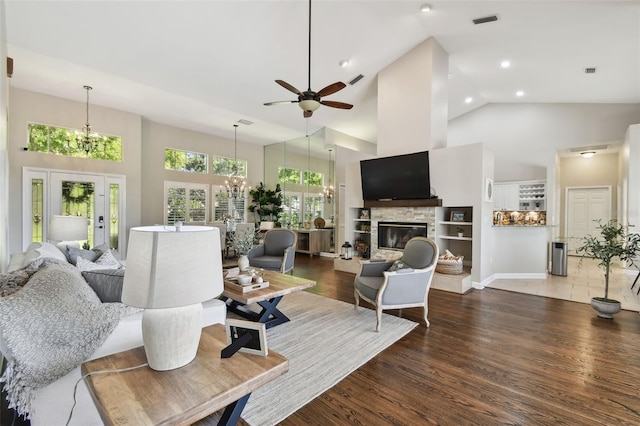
(399, 214)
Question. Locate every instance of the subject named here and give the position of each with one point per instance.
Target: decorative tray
(244, 288)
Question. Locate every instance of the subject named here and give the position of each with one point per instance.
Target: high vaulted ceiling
(204, 65)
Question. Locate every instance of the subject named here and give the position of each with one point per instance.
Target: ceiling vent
(247, 122)
(591, 70)
(486, 19)
(588, 148)
(356, 79)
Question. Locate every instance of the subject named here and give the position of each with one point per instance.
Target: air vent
(247, 122)
(357, 79)
(486, 19)
(591, 70)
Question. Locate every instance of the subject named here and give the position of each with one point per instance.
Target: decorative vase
(606, 308)
(243, 262)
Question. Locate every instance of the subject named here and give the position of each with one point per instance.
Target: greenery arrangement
(243, 241)
(266, 203)
(613, 241)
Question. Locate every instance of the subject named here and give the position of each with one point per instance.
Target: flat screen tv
(400, 177)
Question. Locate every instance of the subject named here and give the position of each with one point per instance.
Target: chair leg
(378, 318)
(426, 310)
(355, 293)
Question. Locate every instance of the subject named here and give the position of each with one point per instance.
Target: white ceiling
(203, 65)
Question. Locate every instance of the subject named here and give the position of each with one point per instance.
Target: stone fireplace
(410, 219)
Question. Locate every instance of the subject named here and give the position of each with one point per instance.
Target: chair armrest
(289, 258)
(254, 252)
(373, 269)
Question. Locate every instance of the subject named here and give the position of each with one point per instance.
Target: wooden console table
(182, 396)
(312, 241)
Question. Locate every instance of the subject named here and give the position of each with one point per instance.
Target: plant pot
(606, 308)
(460, 234)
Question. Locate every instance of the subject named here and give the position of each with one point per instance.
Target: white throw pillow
(106, 261)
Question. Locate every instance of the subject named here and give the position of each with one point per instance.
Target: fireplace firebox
(395, 235)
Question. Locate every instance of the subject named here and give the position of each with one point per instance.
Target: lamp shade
(168, 269)
(68, 228)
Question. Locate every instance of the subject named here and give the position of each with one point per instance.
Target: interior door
(584, 207)
(82, 195)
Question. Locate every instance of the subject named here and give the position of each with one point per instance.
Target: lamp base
(171, 336)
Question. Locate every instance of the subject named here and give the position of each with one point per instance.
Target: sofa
(42, 264)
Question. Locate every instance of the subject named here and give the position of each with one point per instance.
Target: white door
(585, 206)
(100, 198)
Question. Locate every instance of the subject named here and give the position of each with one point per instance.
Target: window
(37, 210)
(222, 166)
(186, 202)
(299, 208)
(286, 175)
(185, 161)
(62, 141)
(114, 215)
(225, 207)
(312, 178)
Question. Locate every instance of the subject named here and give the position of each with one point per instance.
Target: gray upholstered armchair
(401, 284)
(277, 252)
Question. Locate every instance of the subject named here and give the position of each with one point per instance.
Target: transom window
(223, 166)
(299, 177)
(185, 161)
(62, 141)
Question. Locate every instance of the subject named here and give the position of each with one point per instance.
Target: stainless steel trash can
(559, 258)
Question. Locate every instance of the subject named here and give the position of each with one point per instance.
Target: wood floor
(490, 357)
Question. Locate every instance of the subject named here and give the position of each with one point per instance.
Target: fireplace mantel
(427, 202)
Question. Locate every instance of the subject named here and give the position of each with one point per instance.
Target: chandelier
(235, 184)
(85, 140)
(329, 191)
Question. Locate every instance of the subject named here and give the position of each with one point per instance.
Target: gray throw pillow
(73, 253)
(107, 283)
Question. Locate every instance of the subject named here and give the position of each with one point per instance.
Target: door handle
(100, 226)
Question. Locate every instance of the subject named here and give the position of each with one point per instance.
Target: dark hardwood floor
(490, 357)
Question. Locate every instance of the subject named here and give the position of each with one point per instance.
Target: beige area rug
(325, 341)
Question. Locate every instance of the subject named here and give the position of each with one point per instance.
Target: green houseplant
(266, 203)
(613, 242)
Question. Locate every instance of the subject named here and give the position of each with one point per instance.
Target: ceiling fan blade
(307, 114)
(288, 87)
(334, 104)
(332, 88)
(280, 102)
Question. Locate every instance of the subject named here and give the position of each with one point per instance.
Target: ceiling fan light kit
(309, 101)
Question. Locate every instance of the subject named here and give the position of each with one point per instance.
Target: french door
(99, 198)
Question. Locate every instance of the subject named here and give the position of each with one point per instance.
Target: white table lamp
(66, 229)
(169, 274)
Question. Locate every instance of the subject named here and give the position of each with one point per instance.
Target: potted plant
(613, 241)
(266, 203)
(242, 242)
(460, 232)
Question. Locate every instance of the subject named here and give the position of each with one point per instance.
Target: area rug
(325, 341)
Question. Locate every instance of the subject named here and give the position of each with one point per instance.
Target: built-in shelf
(429, 202)
(448, 222)
(455, 237)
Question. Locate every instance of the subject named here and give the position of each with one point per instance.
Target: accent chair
(401, 284)
(277, 252)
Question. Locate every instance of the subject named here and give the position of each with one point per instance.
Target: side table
(179, 397)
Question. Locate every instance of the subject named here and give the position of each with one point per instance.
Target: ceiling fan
(309, 100)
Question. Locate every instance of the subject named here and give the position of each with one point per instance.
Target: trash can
(559, 258)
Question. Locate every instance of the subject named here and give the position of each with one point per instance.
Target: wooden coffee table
(268, 298)
(182, 396)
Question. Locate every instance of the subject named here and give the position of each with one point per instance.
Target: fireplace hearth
(395, 235)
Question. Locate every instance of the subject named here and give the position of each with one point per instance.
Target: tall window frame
(186, 202)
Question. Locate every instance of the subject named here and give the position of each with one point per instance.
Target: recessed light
(519, 93)
(505, 64)
(344, 63)
(425, 8)
(588, 154)
(468, 100)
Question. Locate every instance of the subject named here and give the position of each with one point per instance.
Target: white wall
(4, 157)
(525, 137)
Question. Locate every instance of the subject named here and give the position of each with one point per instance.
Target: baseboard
(517, 276)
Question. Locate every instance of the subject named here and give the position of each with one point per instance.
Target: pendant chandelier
(235, 184)
(329, 191)
(85, 140)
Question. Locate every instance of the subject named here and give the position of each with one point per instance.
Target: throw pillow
(106, 261)
(73, 253)
(107, 283)
(398, 265)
